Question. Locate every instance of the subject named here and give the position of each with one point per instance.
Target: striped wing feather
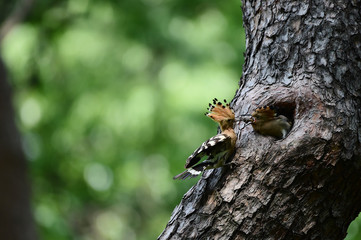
(209, 148)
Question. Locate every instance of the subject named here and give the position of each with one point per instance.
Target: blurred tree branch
(16, 219)
(19, 13)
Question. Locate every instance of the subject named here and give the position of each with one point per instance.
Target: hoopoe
(266, 121)
(218, 148)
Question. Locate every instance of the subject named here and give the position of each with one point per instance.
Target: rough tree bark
(305, 58)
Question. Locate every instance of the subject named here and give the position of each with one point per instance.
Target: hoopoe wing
(209, 148)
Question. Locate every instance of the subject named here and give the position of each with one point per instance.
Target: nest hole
(286, 109)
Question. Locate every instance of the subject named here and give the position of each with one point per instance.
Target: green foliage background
(110, 98)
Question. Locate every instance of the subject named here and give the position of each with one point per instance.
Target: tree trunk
(16, 222)
(303, 57)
